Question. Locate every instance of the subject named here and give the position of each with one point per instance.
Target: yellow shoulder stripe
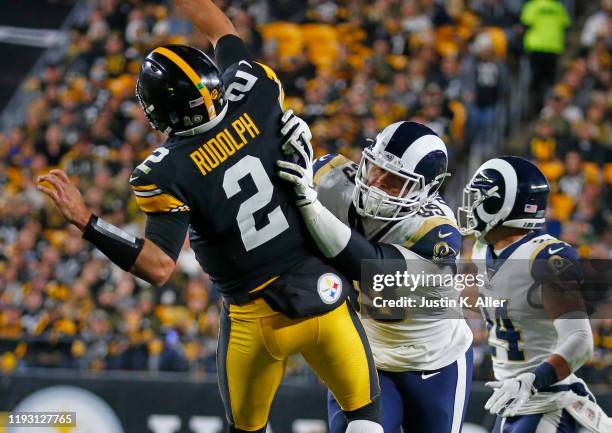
(161, 203)
(335, 162)
(429, 224)
(272, 75)
(269, 72)
(193, 76)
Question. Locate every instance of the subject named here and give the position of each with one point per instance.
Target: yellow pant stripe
(193, 76)
(342, 359)
(264, 285)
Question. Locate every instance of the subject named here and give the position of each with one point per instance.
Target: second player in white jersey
(539, 332)
(521, 337)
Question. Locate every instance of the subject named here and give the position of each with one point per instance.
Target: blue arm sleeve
(348, 261)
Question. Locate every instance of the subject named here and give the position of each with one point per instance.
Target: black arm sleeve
(167, 231)
(359, 248)
(230, 50)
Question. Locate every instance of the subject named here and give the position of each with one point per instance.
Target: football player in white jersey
(388, 207)
(539, 332)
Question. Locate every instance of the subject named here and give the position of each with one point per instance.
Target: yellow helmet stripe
(193, 76)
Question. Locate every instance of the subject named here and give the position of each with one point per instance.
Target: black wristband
(119, 246)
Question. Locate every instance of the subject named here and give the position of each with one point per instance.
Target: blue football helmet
(412, 152)
(507, 191)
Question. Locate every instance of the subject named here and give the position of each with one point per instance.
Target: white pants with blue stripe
(432, 401)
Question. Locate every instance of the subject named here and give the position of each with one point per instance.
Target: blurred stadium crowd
(349, 68)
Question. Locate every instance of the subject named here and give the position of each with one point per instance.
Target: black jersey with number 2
(222, 184)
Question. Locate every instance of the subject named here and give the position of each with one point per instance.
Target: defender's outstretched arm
(207, 17)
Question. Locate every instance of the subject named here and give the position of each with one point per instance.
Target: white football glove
(297, 147)
(296, 134)
(510, 394)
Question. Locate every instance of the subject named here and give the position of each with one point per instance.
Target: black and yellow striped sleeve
(168, 217)
(153, 199)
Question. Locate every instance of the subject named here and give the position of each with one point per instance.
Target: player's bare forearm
(153, 265)
(207, 18)
(562, 368)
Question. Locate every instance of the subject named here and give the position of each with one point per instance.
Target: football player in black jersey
(215, 176)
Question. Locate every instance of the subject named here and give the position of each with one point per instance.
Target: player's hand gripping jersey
(421, 341)
(245, 229)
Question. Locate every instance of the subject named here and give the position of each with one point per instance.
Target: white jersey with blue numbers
(418, 342)
(521, 336)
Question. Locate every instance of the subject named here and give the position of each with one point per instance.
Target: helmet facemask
(148, 110)
(468, 221)
(472, 198)
(373, 202)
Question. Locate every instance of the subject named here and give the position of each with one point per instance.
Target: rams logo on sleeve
(437, 240)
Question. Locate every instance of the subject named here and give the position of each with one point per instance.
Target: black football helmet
(180, 90)
(507, 191)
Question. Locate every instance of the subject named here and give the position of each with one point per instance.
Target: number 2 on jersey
(277, 223)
